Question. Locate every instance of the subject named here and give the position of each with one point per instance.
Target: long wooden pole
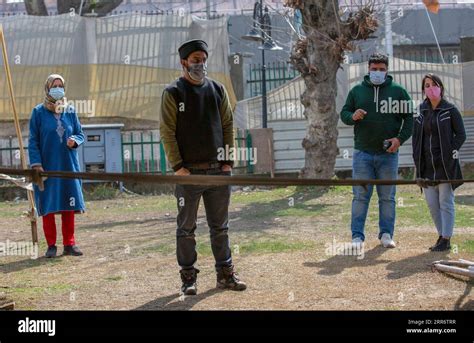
(32, 214)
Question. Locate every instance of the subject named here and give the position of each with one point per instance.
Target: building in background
(14, 7)
(412, 37)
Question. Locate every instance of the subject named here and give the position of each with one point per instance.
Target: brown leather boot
(228, 279)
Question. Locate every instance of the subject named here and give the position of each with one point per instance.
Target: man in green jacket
(196, 123)
(381, 112)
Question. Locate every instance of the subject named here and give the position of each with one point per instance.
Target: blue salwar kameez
(47, 147)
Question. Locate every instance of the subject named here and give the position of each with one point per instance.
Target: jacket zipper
(432, 160)
(441, 147)
(421, 144)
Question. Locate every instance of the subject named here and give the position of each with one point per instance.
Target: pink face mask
(433, 93)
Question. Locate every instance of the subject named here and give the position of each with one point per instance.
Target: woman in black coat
(438, 134)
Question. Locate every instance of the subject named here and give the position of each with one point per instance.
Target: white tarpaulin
(113, 66)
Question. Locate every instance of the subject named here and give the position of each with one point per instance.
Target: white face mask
(197, 71)
(377, 77)
(57, 93)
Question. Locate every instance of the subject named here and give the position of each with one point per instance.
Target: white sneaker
(357, 242)
(387, 241)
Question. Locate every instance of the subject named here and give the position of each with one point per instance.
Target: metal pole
(388, 30)
(264, 91)
(30, 195)
(208, 9)
(264, 71)
(434, 34)
(80, 7)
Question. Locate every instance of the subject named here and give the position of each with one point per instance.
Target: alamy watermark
(237, 154)
(85, 107)
(394, 106)
(11, 248)
(37, 326)
(335, 248)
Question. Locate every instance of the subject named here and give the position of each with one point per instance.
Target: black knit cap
(190, 46)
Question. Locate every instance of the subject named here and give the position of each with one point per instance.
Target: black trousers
(216, 203)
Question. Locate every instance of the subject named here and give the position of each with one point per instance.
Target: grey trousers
(216, 203)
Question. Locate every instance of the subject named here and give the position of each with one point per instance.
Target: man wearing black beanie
(196, 123)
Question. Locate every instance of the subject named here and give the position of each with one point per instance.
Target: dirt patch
(280, 240)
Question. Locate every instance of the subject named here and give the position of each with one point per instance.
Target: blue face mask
(377, 77)
(57, 93)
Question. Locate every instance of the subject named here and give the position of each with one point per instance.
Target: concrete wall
(262, 140)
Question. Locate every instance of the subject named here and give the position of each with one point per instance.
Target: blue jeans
(366, 165)
(440, 200)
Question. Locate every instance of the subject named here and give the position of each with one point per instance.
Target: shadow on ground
(16, 266)
(177, 302)
(125, 224)
(337, 264)
(397, 269)
(414, 264)
(464, 200)
(253, 215)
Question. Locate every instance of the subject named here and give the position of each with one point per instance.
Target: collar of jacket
(443, 105)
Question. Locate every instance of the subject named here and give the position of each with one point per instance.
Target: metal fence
(276, 73)
(142, 152)
(10, 153)
(425, 54)
(279, 73)
(286, 113)
(284, 101)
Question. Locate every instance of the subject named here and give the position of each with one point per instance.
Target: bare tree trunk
(36, 7)
(319, 99)
(317, 57)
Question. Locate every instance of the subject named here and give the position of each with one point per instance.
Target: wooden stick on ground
(32, 214)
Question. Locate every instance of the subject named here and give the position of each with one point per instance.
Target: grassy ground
(279, 238)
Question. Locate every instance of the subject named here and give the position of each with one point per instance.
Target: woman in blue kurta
(55, 134)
